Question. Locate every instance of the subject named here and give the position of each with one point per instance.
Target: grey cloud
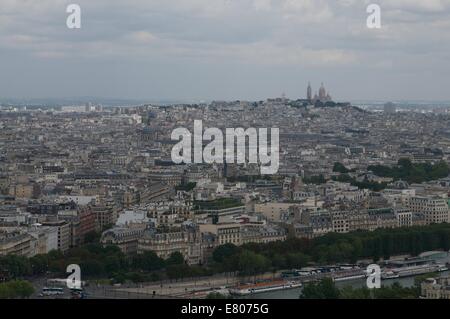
(267, 44)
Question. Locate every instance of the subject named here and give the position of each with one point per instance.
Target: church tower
(322, 93)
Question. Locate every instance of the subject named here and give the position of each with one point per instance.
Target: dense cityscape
(96, 186)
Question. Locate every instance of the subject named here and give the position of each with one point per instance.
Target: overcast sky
(225, 49)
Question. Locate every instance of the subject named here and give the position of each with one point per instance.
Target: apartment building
(105, 213)
(167, 212)
(321, 222)
(404, 217)
(185, 240)
(382, 218)
(63, 231)
(434, 208)
(436, 288)
(263, 235)
(31, 190)
(45, 238)
(16, 242)
(227, 233)
(126, 238)
(273, 211)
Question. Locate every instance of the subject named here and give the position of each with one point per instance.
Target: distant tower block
(390, 108)
(309, 92)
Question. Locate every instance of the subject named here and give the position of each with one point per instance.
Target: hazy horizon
(112, 102)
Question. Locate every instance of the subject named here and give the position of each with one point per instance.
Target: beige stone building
(16, 242)
(29, 190)
(126, 238)
(185, 240)
(244, 233)
(273, 211)
(436, 288)
(435, 208)
(105, 213)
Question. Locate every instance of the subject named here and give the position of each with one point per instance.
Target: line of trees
(340, 168)
(404, 170)
(412, 173)
(16, 289)
(186, 187)
(365, 184)
(326, 289)
(221, 203)
(250, 259)
(97, 261)
(316, 179)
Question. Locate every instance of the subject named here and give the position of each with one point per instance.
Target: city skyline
(242, 150)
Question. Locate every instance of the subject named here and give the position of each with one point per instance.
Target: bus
(52, 291)
(55, 282)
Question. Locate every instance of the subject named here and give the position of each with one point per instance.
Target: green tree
(349, 292)
(176, 258)
(39, 264)
(396, 291)
(405, 163)
(148, 261)
(324, 289)
(92, 237)
(217, 295)
(250, 263)
(178, 271)
(16, 266)
(340, 168)
(16, 289)
(92, 267)
(223, 252)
